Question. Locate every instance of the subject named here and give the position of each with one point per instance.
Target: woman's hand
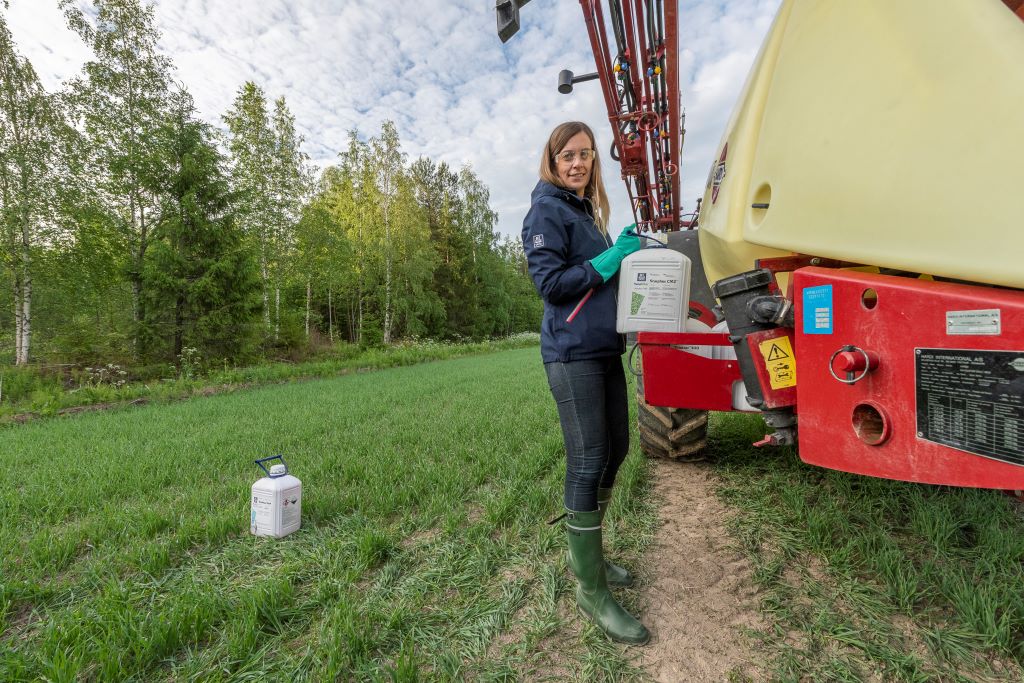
(628, 241)
(607, 262)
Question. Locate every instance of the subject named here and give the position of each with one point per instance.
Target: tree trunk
(387, 277)
(138, 259)
(26, 307)
(277, 312)
(330, 315)
(135, 278)
(17, 318)
(179, 324)
(25, 266)
(266, 284)
(351, 321)
(309, 297)
(359, 317)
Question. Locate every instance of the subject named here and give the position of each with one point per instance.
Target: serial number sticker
(779, 361)
(818, 309)
(985, 322)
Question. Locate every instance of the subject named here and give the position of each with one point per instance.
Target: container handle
(264, 467)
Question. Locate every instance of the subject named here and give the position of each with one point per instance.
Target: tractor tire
(676, 434)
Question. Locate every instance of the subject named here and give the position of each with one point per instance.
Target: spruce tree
(203, 289)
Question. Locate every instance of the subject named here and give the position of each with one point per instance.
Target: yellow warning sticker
(779, 361)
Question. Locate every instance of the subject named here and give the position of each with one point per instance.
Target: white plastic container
(654, 291)
(276, 501)
(698, 327)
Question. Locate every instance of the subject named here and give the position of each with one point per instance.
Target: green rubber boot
(617, 576)
(586, 560)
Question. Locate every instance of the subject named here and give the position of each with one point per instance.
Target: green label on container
(634, 305)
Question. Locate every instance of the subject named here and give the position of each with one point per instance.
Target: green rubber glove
(628, 240)
(608, 261)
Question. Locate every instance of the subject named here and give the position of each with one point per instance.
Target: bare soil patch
(698, 593)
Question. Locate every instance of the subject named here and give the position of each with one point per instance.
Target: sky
(434, 67)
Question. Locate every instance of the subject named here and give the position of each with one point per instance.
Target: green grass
(125, 555)
(424, 553)
(867, 577)
(32, 392)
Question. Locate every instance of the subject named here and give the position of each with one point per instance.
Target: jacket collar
(546, 189)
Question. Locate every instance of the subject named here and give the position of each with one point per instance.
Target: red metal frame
(787, 264)
(872, 425)
(650, 164)
(677, 378)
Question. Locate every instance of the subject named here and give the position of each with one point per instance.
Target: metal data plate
(973, 400)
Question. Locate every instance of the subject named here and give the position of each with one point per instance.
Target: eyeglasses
(569, 155)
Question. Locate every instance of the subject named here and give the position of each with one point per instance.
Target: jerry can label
(655, 293)
(291, 506)
(262, 516)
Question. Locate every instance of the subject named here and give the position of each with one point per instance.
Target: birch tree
(387, 162)
(291, 183)
(30, 159)
(272, 181)
(483, 270)
(325, 258)
(349, 196)
(122, 100)
(417, 308)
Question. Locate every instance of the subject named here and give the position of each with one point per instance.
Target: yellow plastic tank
(878, 132)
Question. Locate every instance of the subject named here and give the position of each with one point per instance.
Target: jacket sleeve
(546, 244)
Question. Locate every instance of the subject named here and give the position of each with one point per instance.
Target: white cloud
(435, 67)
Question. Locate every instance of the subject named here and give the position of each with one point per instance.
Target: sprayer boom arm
(636, 50)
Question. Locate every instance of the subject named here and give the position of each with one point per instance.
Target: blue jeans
(591, 399)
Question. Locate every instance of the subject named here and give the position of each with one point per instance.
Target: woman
(571, 257)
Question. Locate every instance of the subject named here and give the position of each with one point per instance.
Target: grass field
(423, 554)
(125, 554)
(868, 579)
(44, 391)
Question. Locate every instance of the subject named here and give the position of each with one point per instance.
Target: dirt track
(698, 592)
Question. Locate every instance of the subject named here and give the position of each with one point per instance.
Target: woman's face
(575, 174)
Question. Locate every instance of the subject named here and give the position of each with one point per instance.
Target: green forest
(135, 233)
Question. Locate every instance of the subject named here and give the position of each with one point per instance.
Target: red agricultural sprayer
(856, 256)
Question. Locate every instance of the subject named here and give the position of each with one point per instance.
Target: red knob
(849, 361)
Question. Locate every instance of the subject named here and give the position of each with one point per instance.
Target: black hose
(618, 29)
(629, 361)
(650, 29)
(661, 22)
(617, 26)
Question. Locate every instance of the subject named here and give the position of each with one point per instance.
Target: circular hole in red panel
(869, 298)
(871, 424)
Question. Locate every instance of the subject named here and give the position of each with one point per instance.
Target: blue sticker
(538, 241)
(818, 310)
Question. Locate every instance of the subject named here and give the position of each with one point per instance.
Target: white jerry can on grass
(276, 501)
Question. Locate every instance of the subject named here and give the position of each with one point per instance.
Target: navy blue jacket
(559, 238)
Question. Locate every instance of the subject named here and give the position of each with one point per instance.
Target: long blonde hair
(594, 190)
